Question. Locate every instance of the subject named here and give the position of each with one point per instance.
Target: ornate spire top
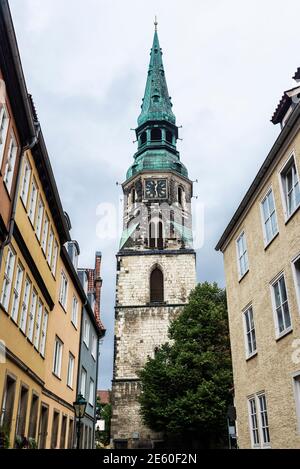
(157, 103)
(155, 23)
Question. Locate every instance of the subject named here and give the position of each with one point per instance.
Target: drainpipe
(27, 147)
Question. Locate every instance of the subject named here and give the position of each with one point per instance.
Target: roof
(297, 74)
(260, 175)
(283, 105)
(104, 396)
(157, 103)
(157, 159)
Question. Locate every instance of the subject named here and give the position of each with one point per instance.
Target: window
(32, 202)
(10, 163)
(57, 357)
(156, 286)
(83, 382)
(250, 338)
(71, 434)
(63, 432)
(39, 219)
(259, 425)
(92, 393)
(291, 189)
(264, 419)
(155, 135)
(63, 290)
(74, 311)
(269, 217)
(179, 195)
(242, 254)
(143, 138)
(296, 271)
(54, 258)
(38, 325)
(281, 306)
(54, 433)
(25, 182)
(45, 233)
(8, 275)
(70, 370)
(43, 431)
(22, 412)
(25, 305)
(32, 314)
(8, 402)
(169, 136)
(86, 332)
(44, 333)
(4, 121)
(50, 247)
(156, 235)
(33, 416)
(17, 293)
(94, 346)
(296, 380)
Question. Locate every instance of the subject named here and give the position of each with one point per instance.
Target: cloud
(226, 63)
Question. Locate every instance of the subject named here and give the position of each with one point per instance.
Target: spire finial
(155, 23)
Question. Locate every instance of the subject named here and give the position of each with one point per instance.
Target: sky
(227, 64)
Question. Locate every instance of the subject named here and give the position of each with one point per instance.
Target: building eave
(259, 177)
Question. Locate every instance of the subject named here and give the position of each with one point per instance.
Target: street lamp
(79, 407)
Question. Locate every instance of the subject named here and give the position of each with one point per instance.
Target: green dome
(157, 160)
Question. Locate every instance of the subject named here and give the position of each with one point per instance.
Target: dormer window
(155, 135)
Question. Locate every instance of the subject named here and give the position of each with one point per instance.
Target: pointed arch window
(156, 286)
(179, 195)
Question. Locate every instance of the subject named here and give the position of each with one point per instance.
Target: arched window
(179, 195)
(133, 196)
(155, 135)
(156, 286)
(169, 136)
(156, 235)
(143, 138)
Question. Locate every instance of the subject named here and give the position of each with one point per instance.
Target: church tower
(156, 262)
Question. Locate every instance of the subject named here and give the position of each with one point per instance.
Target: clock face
(156, 188)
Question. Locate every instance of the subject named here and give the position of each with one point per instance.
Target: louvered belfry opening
(156, 286)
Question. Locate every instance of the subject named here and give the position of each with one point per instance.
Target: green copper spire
(157, 103)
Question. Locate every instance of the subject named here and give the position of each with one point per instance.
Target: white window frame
(26, 181)
(57, 357)
(74, 318)
(10, 162)
(83, 373)
(282, 180)
(38, 323)
(253, 428)
(276, 280)
(4, 125)
(86, 332)
(54, 258)
(45, 232)
(39, 218)
(94, 346)
(32, 314)
(8, 277)
(246, 312)
(71, 366)
(17, 293)
(92, 392)
(33, 201)
(44, 333)
(296, 276)
(63, 294)
(50, 246)
(242, 235)
(269, 218)
(261, 415)
(25, 304)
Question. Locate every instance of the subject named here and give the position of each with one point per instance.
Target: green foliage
(4, 436)
(104, 412)
(186, 386)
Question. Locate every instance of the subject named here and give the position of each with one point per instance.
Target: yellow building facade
(261, 248)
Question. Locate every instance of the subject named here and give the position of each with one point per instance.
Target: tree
(186, 386)
(104, 412)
